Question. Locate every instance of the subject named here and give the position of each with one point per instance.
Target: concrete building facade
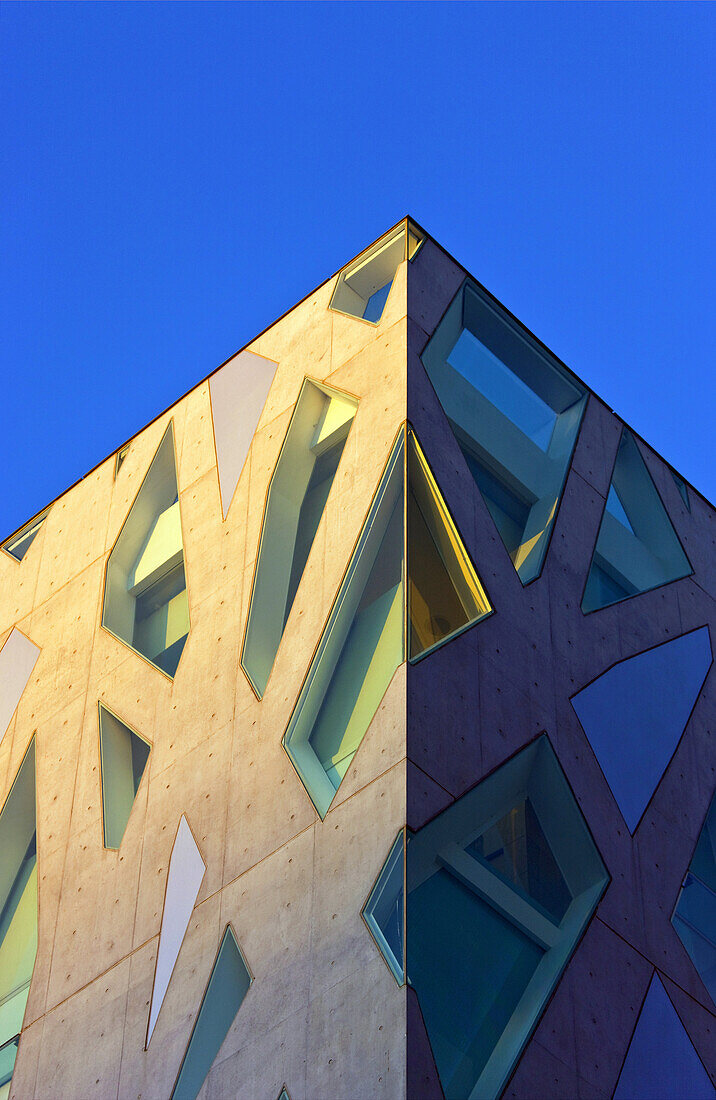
(357, 730)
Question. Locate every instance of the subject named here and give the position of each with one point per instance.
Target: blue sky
(175, 176)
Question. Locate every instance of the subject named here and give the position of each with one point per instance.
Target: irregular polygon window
(228, 985)
(363, 642)
(683, 490)
(145, 599)
(123, 756)
(653, 693)
(499, 889)
(361, 647)
(637, 548)
(363, 286)
(694, 917)
(444, 592)
(515, 412)
(297, 495)
(18, 908)
(19, 544)
(384, 911)
(121, 455)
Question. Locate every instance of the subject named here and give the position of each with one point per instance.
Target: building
(387, 639)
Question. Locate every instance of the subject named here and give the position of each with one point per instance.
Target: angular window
(637, 548)
(121, 455)
(228, 985)
(363, 287)
(123, 758)
(695, 914)
(683, 490)
(653, 693)
(296, 498)
(19, 544)
(444, 593)
(18, 908)
(359, 652)
(515, 413)
(499, 889)
(384, 911)
(145, 599)
(363, 642)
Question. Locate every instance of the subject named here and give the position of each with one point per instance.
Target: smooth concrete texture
(186, 870)
(324, 1015)
(661, 1062)
(635, 713)
(18, 657)
(238, 394)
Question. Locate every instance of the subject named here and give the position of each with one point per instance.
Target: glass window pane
(383, 912)
(515, 412)
(363, 286)
(361, 647)
(469, 967)
(18, 903)
(500, 886)
(228, 985)
(516, 848)
(297, 495)
(145, 599)
(20, 543)
(637, 548)
(444, 592)
(123, 757)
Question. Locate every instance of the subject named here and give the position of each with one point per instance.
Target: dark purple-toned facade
(518, 675)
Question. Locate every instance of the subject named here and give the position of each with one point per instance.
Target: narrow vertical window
(145, 598)
(297, 495)
(18, 908)
(123, 757)
(228, 985)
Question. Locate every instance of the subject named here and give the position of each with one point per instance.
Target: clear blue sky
(175, 176)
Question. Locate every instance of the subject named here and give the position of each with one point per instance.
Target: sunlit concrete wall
(324, 1015)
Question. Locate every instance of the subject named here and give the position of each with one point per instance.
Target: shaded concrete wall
(475, 702)
(324, 1015)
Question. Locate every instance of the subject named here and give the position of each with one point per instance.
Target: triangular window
(384, 911)
(228, 985)
(297, 495)
(19, 544)
(18, 908)
(364, 640)
(515, 412)
(695, 915)
(637, 548)
(444, 593)
(145, 599)
(123, 755)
